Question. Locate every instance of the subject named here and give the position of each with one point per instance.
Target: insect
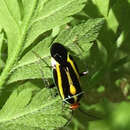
(66, 75)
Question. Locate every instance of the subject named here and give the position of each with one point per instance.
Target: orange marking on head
(74, 106)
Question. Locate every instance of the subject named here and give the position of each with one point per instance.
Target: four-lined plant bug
(66, 75)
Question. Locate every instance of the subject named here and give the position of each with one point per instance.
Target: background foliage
(97, 34)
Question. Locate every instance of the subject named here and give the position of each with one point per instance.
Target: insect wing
(66, 74)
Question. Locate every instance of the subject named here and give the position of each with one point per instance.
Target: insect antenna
(89, 115)
(69, 121)
(80, 51)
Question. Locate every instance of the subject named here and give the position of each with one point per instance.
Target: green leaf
(112, 21)
(120, 39)
(9, 20)
(30, 66)
(28, 20)
(102, 6)
(55, 31)
(49, 14)
(25, 111)
(84, 34)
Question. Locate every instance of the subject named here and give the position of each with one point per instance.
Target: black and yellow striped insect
(66, 75)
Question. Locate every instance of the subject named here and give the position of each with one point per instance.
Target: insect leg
(83, 73)
(90, 115)
(69, 121)
(45, 81)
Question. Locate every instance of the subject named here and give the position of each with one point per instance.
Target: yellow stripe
(75, 99)
(73, 66)
(72, 87)
(69, 78)
(59, 80)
